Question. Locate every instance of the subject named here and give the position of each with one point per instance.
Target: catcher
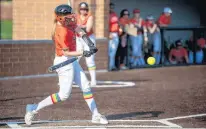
(65, 44)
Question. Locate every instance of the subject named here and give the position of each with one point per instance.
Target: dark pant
(120, 55)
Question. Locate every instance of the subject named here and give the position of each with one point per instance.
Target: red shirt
(124, 21)
(163, 19)
(64, 39)
(113, 22)
(201, 42)
(84, 22)
(148, 24)
(135, 21)
(179, 54)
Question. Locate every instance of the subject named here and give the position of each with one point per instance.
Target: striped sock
(88, 96)
(54, 98)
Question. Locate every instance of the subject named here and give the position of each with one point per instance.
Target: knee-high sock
(88, 96)
(54, 98)
(92, 71)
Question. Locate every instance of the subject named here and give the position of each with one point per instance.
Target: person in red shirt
(113, 37)
(200, 46)
(137, 41)
(178, 55)
(122, 48)
(154, 30)
(65, 48)
(165, 19)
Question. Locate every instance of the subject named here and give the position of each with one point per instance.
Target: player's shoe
(30, 113)
(123, 67)
(99, 119)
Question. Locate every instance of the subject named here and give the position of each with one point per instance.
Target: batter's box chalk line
(111, 84)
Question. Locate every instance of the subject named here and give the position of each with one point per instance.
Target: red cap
(201, 42)
(136, 11)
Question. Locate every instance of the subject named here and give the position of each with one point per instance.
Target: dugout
(188, 21)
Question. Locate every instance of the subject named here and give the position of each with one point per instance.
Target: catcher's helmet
(83, 5)
(61, 11)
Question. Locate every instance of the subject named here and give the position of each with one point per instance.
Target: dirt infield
(158, 94)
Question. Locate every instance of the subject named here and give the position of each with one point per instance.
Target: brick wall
(33, 19)
(19, 58)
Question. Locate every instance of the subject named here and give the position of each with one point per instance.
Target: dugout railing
(168, 37)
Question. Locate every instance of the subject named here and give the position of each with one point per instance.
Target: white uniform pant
(81, 45)
(68, 74)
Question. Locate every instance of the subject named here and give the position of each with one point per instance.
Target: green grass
(6, 29)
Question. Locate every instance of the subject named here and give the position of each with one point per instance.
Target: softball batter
(65, 45)
(85, 21)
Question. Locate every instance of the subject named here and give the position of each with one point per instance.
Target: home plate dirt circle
(111, 84)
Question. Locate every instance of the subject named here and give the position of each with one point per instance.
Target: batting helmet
(83, 5)
(63, 14)
(61, 11)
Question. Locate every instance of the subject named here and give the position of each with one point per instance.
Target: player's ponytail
(53, 29)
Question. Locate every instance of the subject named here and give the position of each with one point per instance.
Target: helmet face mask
(64, 15)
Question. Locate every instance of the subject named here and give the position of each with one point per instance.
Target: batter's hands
(87, 53)
(93, 49)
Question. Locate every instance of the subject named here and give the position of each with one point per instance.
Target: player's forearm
(73, 53)
(89, 24)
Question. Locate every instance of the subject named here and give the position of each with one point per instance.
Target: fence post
(162, 45)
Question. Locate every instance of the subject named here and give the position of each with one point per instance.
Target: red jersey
(84, 22)
(124, 21)
(179, 54)
(148, 24)
(135, 21)
(163, 19)
(64, 39)
(201, 42)
(113, 22)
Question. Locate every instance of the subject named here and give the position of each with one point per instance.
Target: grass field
(6, 29)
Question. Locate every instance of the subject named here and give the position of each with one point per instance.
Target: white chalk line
(42, 75)
(111, 84)
(13, 125)
(170, 124)
(184, 117)
(163, 121)
(108, 126)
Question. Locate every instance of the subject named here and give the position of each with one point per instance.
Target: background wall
(19, 58)
(33, 19)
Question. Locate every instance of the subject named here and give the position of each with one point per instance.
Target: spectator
(165, 19)
(156, 37)
(113, 36)
(122, 48)
(137, 41)
(201, 44)
(178, 55)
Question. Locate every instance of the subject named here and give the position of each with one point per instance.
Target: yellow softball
(151, 60)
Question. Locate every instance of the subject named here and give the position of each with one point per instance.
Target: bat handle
(50, 69)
